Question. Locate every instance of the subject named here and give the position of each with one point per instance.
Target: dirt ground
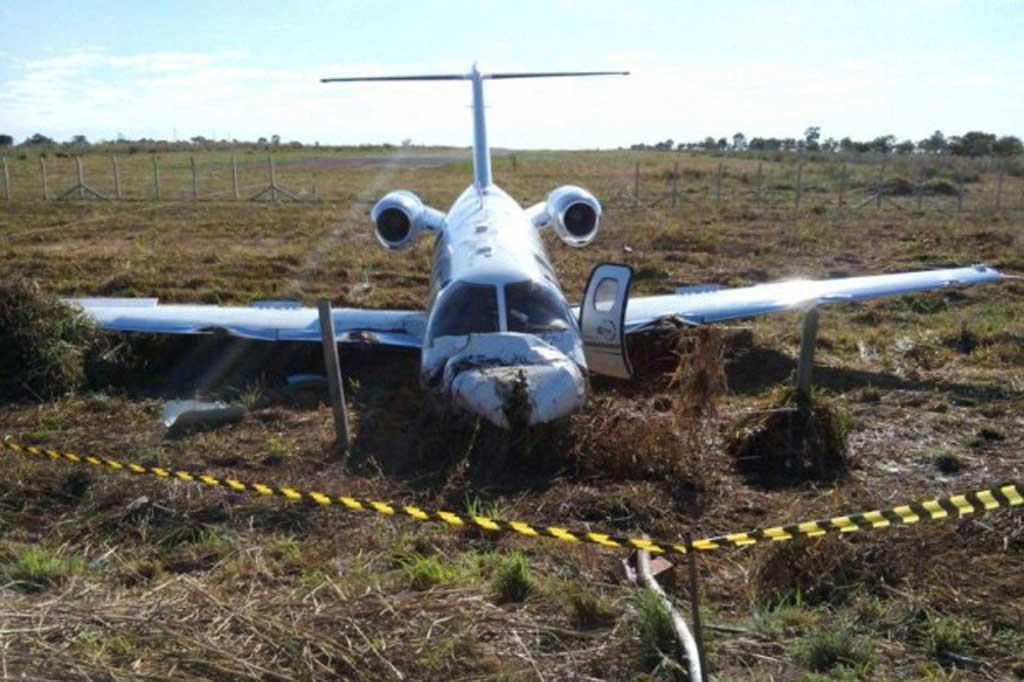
(107, 576)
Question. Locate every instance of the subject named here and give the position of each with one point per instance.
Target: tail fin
(481, 152)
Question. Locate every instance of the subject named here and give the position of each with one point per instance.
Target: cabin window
(536, 308)
(607, 292)
(464, 309)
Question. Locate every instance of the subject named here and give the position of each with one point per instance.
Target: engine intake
(575, 214)
(400, 216)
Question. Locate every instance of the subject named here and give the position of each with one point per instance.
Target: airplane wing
(268, 321)
(703, 306)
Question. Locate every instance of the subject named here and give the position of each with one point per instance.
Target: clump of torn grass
(512, 582)
(36, 568)
(826, 648)
(654, 627)
(794, 438)
(47, 348)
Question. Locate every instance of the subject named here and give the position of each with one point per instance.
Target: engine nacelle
(575, 214)
(400, 216)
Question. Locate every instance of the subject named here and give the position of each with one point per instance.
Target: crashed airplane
(498, 338)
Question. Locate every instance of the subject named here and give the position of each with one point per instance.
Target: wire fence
(916, 182)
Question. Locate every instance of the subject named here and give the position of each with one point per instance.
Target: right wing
(725, 304)
(279, 321)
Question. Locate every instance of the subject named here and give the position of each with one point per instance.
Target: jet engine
(575, 214)
(400, 216)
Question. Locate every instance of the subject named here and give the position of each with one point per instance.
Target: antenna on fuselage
(481, 152)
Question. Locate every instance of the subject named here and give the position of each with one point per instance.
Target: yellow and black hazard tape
(953, 506)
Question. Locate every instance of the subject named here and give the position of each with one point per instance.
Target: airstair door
(602, 320)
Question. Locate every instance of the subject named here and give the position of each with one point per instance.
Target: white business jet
(497, 337)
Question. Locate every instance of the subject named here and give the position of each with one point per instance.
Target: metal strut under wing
(267, 322)
(761, 299)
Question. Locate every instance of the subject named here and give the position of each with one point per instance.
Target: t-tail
(481, 152)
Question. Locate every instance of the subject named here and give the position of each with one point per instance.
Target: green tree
(37, 139)
(905, 147)
(974, 144)
(739, 142)
(934, 144)
(1008, 145)
(709, 143)
(811, 137)
(6, 140)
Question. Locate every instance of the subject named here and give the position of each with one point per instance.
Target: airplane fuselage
(496, 316)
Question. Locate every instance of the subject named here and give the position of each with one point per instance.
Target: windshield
(535, 308)
(464, 309)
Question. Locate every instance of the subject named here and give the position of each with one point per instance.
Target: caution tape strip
(950, 507)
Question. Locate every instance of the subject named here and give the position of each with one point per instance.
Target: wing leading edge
(761, 299)
(266, 323)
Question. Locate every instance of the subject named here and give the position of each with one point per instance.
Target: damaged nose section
(514, 379)
(520, 394)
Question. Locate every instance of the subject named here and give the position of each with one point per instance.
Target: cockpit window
(465, 309)
(535, 308)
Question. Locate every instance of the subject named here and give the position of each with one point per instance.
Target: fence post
(234, 176)
(156, 176)
(7, 178)
(842, 186)
(999, 187)
(799, 181)
(117, 177)
(718, 184)
(808, 341)
(334, 379)
(675, 184)
(42, 174)
(81, 177)
(921, 176)
(195, 180)
(881, 181)
(636, 184)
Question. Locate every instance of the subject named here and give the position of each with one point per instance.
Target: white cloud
(225, 93)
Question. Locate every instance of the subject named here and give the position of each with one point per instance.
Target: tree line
(973, 144)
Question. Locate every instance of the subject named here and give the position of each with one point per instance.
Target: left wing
(726, 304)
(270, 321)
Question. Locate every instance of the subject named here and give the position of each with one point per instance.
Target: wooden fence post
(636, 184)
(881, 181)
(842, 186)
(808, 341)
(81, 177)
(195, 180)
(921, 177)
(999, 187)
(156, 176)
(234, 176)
(799, 181)
(7, 178)
(42, 174)
(334, 379)
(718, 183)
(675, 184)
(117, 177)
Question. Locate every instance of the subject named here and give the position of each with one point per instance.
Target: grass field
(113, 577)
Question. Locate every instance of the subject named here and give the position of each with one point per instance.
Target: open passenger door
(602, 320)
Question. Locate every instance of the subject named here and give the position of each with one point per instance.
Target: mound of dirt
(791, 441)
(47, 348)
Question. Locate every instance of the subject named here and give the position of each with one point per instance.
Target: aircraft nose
(531, 394)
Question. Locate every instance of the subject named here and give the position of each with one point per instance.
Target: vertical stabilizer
(481, 152)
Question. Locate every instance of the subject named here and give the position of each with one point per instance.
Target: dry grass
(174, 581)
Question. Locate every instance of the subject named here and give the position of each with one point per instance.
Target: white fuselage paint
(488, 239)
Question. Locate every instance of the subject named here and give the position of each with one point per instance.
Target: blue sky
(250, 69)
